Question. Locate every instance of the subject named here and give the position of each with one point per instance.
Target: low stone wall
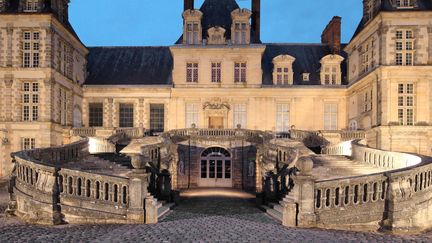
(46, 191)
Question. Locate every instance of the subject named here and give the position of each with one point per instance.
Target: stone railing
(101, 146)
(334, 137)
(358, 200)
(377, 158)
(398, 199)
(131, 133)
(84, 132)
(103, 197)
(47, 191)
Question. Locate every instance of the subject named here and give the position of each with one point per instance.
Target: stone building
(218, 75)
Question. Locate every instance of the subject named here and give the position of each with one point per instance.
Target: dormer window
(283, 72)
(31, 6)
(240, 29)
(192, 30)
(331, 73)
(306, 77)
(404, 3)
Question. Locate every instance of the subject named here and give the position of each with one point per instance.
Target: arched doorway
(216, 168)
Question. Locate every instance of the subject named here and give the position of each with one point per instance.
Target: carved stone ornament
(216, 104)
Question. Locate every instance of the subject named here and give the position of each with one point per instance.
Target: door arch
(215, 168)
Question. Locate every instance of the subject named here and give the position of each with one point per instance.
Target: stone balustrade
(377, 158)
(84, 132)
(399, 199)
(47, 191)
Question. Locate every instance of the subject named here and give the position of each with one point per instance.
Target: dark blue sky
(159, 22)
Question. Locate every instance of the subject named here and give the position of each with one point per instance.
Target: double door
(216, 172)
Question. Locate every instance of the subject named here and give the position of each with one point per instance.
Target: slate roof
(218, 13)
(387, 6)
(129, 66)
(308, 57)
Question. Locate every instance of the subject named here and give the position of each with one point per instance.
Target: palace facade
(217, 75)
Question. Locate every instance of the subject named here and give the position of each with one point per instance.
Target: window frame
(406, 104)
(192, 72)
(30, 101)
(283, 111)
(126, 115)
(240, 72)
(157, 124)
(405, 47)
(331, 116)
(96, 117)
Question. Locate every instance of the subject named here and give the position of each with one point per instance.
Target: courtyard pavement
(203, 216)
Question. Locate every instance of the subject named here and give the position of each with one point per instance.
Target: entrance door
(216, 168)
(216, 122)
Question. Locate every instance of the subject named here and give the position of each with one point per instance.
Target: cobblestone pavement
(197, 219)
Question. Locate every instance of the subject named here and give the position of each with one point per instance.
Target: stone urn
(138, 162)
(305, 165)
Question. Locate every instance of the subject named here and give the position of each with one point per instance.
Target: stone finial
(305, 165)
(137, 162)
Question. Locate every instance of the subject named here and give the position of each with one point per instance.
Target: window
(331, 75)
(192, 113)
(406, 104)
(216, 72)
(63, 106)
(367, 101)
(330, 117)
(405, 48)
(367, 56)
(306, 77)
(157, 117)
(240, 115)
(30, 101)
(96, 115)
(241, 30)
(192, 32)
(240, 72)
(282, 117)
(28, 143)
(282, 75)
(192, 72)
(126, 115)
(31, 6)
(404, 3)
(30, 46)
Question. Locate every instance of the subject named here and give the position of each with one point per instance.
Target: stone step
(273, 213)
(164, 209)
(276, 207)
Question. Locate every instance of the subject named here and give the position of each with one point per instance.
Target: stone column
(304, 193)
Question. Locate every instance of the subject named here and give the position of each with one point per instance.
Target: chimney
(256, 19)
(188, 4)
(332, 35)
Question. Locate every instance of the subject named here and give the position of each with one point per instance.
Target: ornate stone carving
(216, 36)
(216, 104)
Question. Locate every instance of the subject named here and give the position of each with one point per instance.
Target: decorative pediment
(216, 36)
